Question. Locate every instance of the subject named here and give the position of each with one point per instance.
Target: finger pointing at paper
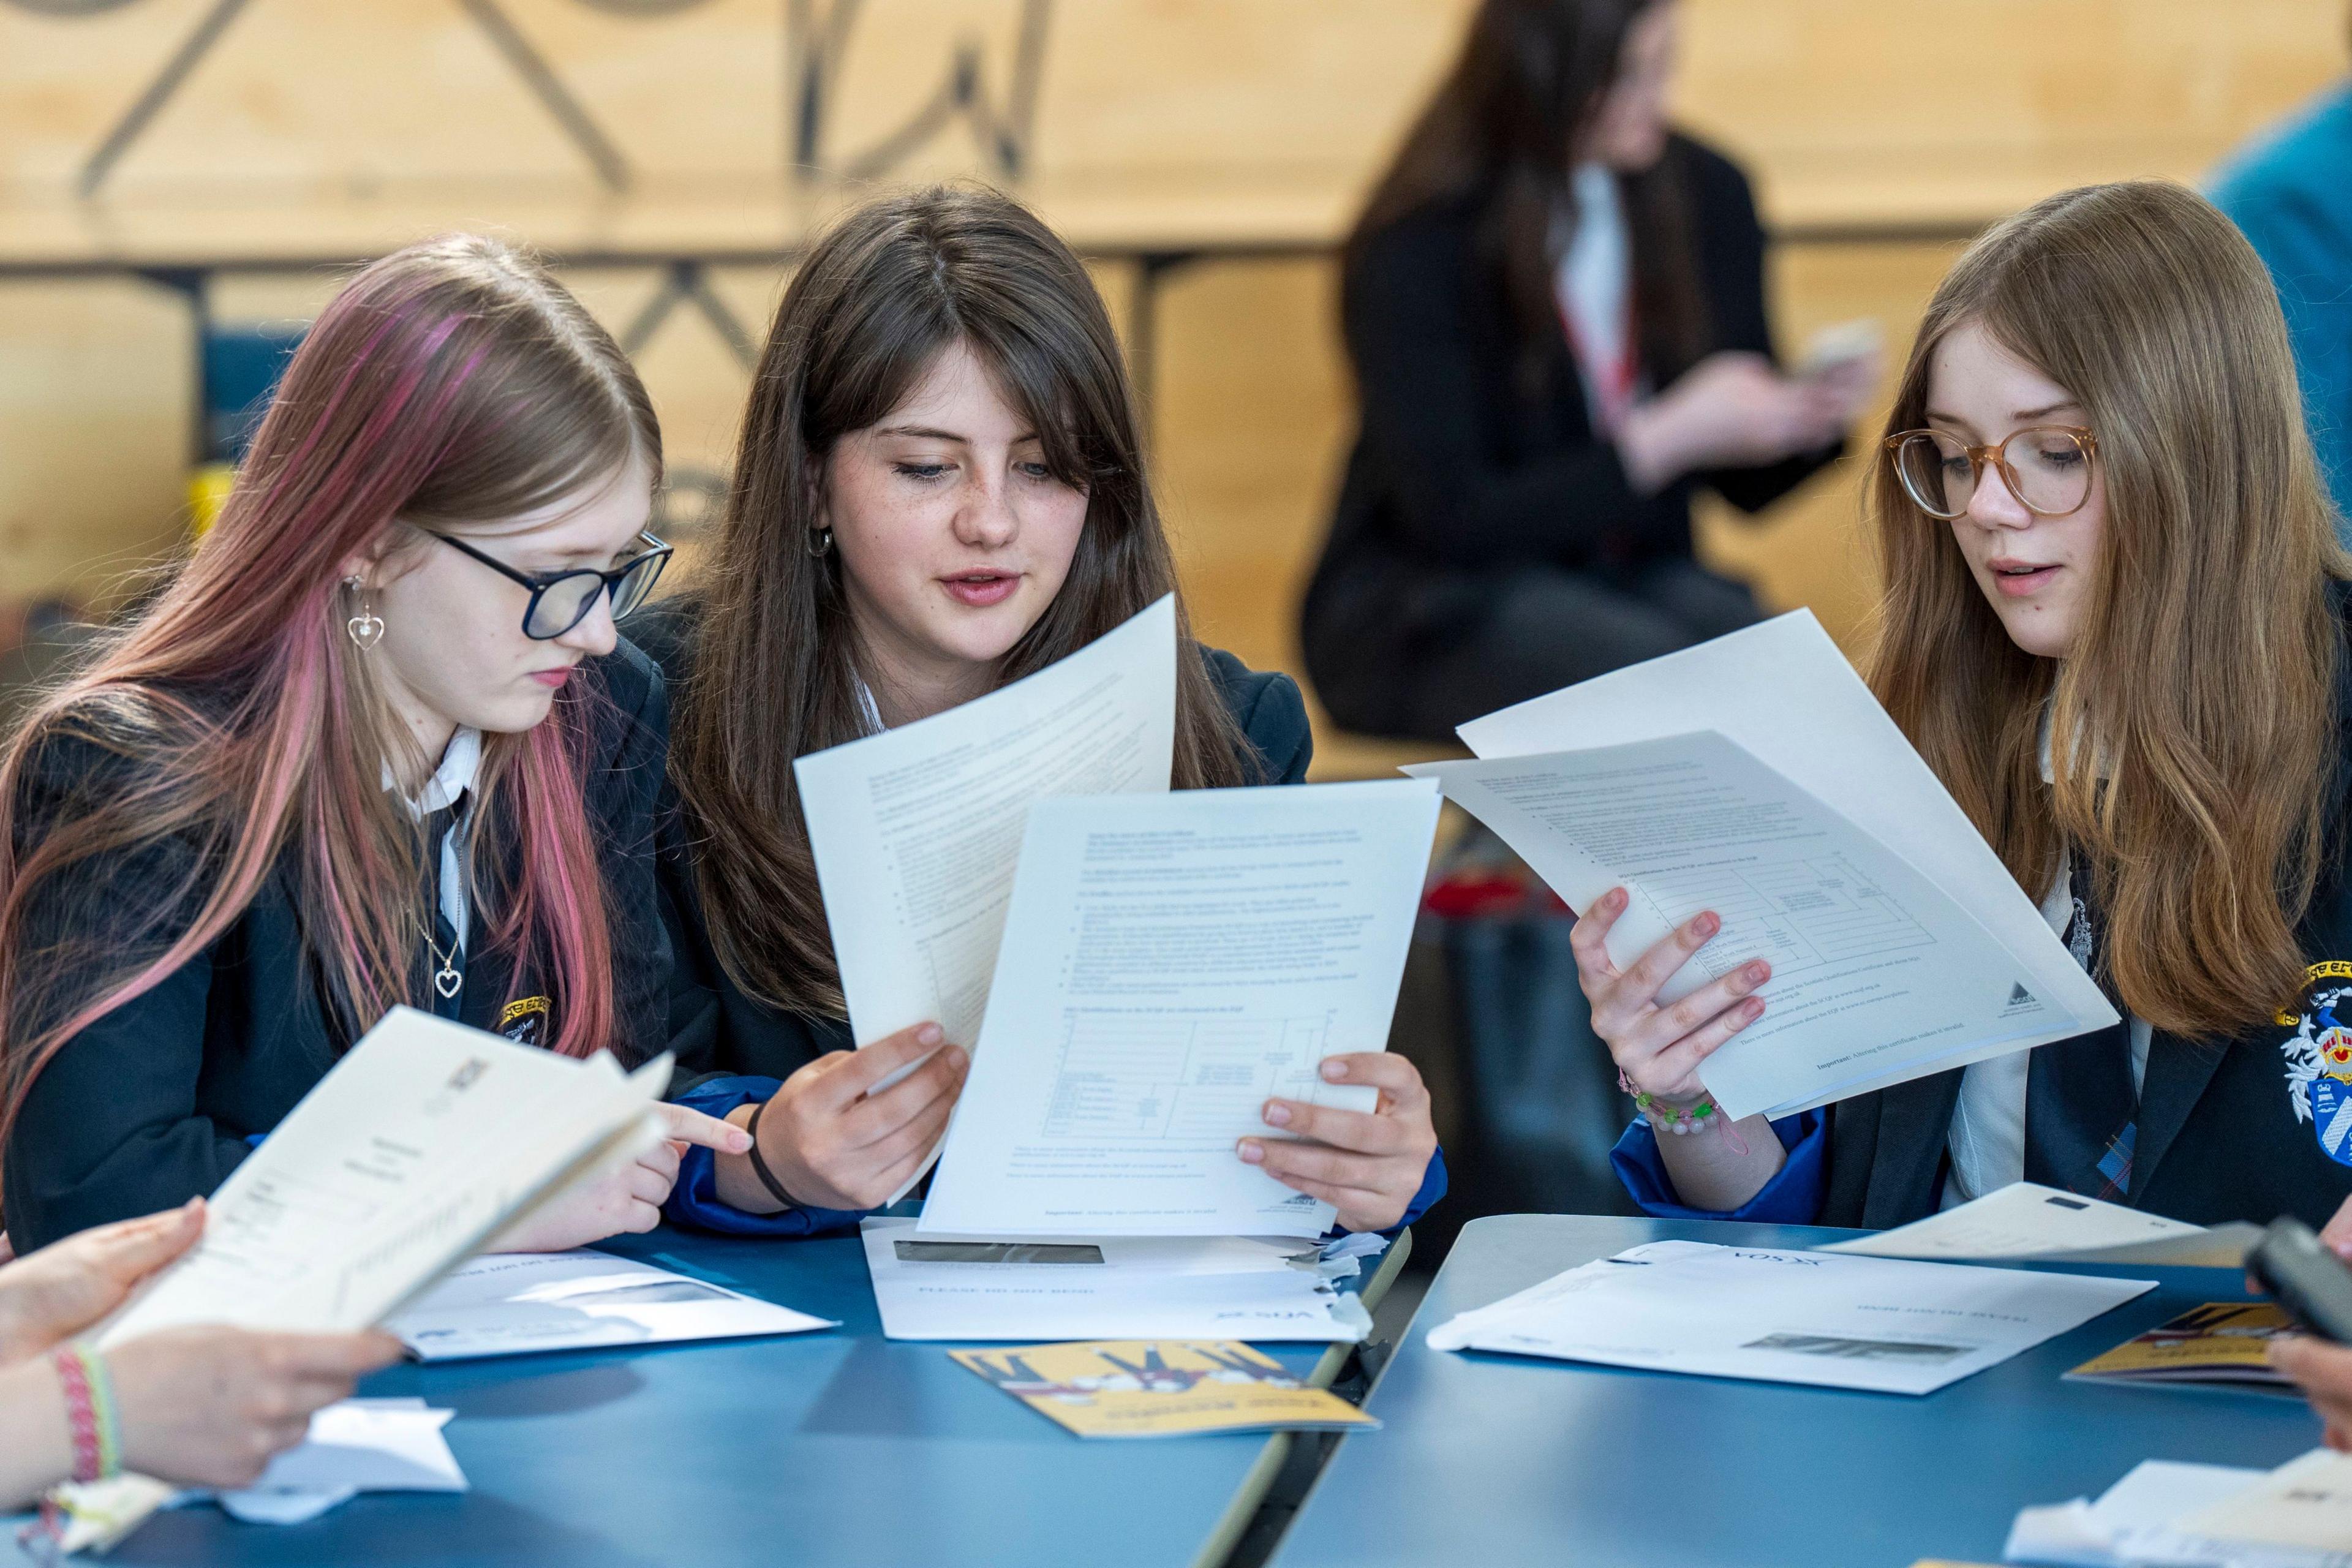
(1366, 1164)
(624, 1198)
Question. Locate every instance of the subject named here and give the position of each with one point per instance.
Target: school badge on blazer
(524, 1022)
(2319, 1059)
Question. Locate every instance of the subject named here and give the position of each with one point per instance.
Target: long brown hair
(233, 728)
(2193, 728)
(881, 296)
(1502, 131)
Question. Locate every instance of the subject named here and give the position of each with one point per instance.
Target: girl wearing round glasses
(376, 742)
(2113, 625)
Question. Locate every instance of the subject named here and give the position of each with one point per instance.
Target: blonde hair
(2193, 723)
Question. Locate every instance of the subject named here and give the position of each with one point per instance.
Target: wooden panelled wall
(1862, 120)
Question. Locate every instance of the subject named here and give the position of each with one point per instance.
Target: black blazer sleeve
(1423, 378)
(623, 790)
(1731, 271)
(109, 1127)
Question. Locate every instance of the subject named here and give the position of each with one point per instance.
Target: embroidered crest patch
(2319, 1059)
(525, 1022)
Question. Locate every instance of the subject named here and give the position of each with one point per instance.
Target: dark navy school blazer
(159, 1100)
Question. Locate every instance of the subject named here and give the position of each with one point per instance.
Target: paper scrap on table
(356, 1446)
(1784, 693)
(2304, 1506)
(1170, 963)
(2132, 1519)
(353, 1446)
(511, 1303)
(2166, 1514)
(1878, 974)
(1885, 1325)
(1162, 1388)
(1108, 1287)
(2026, 1219)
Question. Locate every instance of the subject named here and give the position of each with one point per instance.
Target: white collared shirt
(1987, 1141)
(1594, 289)
(460, 761)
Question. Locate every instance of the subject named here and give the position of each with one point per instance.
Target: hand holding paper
(426, 1140)
(855, 1129)
(1755, 778)
(915, 830)
(1170, 964)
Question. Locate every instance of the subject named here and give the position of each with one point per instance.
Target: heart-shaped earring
(366, 628)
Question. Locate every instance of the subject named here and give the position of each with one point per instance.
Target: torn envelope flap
(369, 1445)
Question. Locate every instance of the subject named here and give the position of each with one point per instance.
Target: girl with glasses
(939, 489)
(377, 742)
(2114, 624)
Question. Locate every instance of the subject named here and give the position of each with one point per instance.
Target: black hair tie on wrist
(760, 1166)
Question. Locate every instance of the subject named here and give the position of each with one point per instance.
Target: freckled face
(954, 536)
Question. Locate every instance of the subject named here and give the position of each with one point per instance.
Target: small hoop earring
(366, 628)
(821, 543)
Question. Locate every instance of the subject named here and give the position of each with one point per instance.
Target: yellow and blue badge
(2319, 1059)
(525, 1022)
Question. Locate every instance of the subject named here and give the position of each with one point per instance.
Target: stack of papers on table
(1757, 776)
(1870, 1323)
(511, 1303)
(1113, 1288)
(2169, 1515)
(2026, 1219)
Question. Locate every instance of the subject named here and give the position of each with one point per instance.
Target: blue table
(827, 1448)
(1498, 1461)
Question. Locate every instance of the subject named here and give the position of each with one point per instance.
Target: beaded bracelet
(90, 1414)
(1679, 1119)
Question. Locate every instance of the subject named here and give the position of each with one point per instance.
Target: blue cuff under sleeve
(694, 1201)
(1791, 1197)
(1432, 1187)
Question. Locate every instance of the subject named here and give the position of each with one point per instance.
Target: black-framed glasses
(562, 600)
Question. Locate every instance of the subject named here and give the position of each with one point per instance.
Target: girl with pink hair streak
(377, 742)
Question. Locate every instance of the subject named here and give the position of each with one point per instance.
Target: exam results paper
(1783, 694)
(1169, 962)
(1877, 974)
(915, 830)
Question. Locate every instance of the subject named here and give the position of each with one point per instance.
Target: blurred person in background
(1555, 308)
(2290, 190)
